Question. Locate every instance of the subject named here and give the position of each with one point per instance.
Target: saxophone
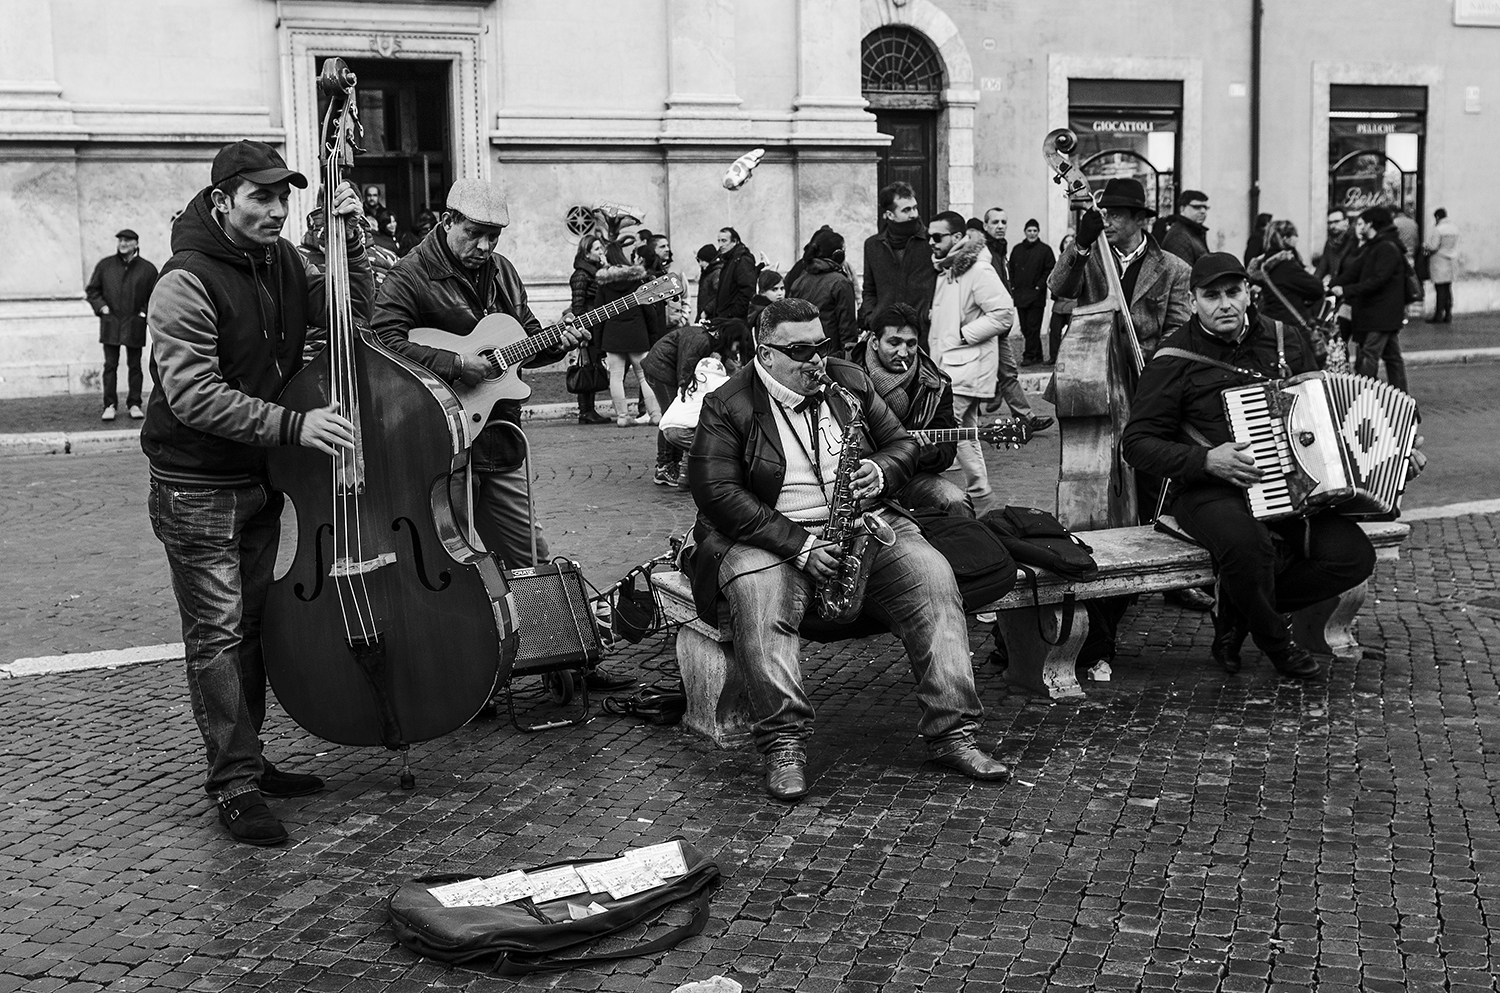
(840, 599)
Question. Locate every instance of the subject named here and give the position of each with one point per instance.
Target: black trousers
(1055, 332)
(1267, 570)
(1030, 319)
(134, 378)
(666, 452)
(1444, 308)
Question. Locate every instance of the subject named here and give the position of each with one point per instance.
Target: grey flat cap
(480, 202)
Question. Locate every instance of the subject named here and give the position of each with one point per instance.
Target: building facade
(110, 114)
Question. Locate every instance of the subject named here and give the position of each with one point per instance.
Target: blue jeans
(1377, 345)
(911, 590)
(927, 489)
(221, 547)
(502, 516)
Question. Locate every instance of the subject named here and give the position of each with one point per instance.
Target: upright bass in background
(1098, 364)
(392, 625)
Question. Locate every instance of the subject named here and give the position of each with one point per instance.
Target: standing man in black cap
(228, 319)
(118, 291)
(1178, 430)
(1187, 238)
(1155, 283)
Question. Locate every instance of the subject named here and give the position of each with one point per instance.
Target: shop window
(1129, 128)
(1376, 147)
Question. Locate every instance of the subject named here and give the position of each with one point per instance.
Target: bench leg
(1035, 666)
(716, 704)
(1327, 628)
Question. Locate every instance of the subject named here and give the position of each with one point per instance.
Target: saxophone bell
(877, 528)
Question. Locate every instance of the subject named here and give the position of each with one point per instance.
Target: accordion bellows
(1324, 440)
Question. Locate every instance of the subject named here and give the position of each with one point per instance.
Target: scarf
(891, 385)
(898, 234)
(959, 260)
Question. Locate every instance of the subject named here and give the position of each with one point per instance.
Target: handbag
(1415, 292)
(984, 569)
(585, 377)
(547, 935)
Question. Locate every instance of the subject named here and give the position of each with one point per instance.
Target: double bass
(1098, 364)
(392, 625)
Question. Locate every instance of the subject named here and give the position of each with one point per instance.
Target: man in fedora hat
(451, 281)
(1155, 283)
(228, 319)
(118, 291)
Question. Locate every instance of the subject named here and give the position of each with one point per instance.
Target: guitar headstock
(665, 288)
(1010, 432)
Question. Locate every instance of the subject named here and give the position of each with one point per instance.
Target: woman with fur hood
(627, 338)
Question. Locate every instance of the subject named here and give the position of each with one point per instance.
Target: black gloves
(1090, 226)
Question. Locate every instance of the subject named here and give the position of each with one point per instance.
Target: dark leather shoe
(1189, 599)
(592, 417)
(1039, 424)
(600, 678)
(1294, 662)
(250, 821)
(274, 782)
(786, 773)
(968, 758)
(1229, 637)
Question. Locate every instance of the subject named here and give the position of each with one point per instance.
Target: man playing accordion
(1178, 429)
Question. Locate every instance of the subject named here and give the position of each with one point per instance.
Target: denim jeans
(926, 489)
(221, 547)
(911, 590)
(966, 411)
(1377, 345)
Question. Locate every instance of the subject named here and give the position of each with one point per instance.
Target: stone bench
(1131, 561)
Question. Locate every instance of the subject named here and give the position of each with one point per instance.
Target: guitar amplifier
(554, 619)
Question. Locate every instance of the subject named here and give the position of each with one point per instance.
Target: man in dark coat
(1340, 242)
(762, 470)
(1178, 430)
(118, 291)
(1187, 238)
(1376, 292)
(993, 227)
(898, 259)
(1031, 263)
(921, 397)
(737, 277)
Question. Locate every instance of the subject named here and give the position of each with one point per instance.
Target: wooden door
(911, 157)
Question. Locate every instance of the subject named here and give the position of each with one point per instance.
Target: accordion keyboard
(1252, 419)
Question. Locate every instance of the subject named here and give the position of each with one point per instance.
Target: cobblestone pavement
(1182, 830)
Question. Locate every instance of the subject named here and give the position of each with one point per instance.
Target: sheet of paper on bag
(589, 874)
(464, 893)
(628, 879)
(554, 884)
(507, 887)
(665, 859)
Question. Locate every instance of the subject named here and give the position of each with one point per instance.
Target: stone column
(702, 97)
(829, 102)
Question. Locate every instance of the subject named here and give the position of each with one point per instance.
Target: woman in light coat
(1442, 264)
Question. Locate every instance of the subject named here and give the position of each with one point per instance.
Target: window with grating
(900, 60)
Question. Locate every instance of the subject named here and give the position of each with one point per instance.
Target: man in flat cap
(228, 318)
(118, 291)
(1178, 430)
(451, 281)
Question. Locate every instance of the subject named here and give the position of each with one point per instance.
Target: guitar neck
(939, 436)
(550, 337)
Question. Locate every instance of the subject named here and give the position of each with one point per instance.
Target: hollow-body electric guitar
(503, 345)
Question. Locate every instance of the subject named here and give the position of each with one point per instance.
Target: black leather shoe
(1039, 424)
(967, 757)
(600, 678)
(592, 417)
(786, 773)
(250, 821)
(1189, 599)
(1294, 662)
(1229, 637)
(274, 782)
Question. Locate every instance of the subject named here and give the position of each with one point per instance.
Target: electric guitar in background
(503, 345)
(1010, 432)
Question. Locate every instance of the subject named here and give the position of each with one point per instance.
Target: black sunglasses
(939, 237)
(805, 351)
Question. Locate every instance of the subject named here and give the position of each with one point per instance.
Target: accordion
(1324, 440)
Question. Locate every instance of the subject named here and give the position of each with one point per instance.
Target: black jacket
(1000, 259)
(708, 289)
(736, 283)
(737, 464)
(426, 290)
(675, 356)
(929, 405)
(125, 288)
(823, 284)
(1187, 239)
(583, 286)
(1175, 391)
(1305, 291)
(229, 325)
(1376, 288)
(1031, 263)
(888, 279)
(1335, 250)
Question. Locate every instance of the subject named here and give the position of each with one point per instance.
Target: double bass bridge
(347, 567)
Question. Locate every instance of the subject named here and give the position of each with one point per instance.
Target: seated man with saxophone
(771, 464)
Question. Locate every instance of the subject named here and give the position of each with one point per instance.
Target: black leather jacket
(737, 464)
(426, 290)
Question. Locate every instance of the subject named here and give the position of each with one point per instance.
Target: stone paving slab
(1182, 830)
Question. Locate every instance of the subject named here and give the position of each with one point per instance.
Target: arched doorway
(903, 82)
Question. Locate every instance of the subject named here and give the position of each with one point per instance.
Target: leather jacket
(737, 465)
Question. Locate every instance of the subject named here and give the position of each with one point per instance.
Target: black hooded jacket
(228, 325)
